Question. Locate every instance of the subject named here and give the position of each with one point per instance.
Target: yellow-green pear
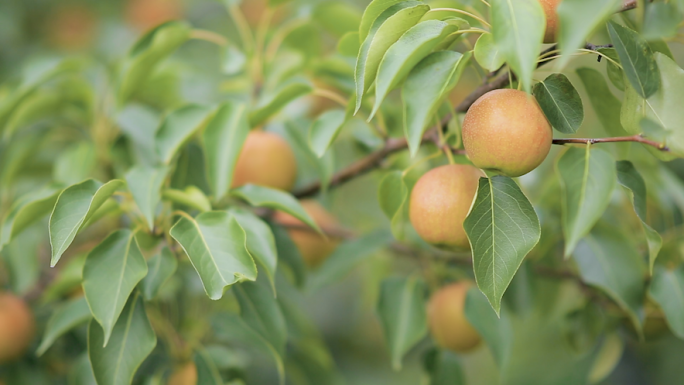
(446, 317)
(267, 160)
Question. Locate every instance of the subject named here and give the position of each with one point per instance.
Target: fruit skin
(551, 33)
(266, 160)
(505, 131)
(17, 327)
(72, 28)
(313, 247)
(184, 375)
(440, 202)
(146, 14)
(446, 317)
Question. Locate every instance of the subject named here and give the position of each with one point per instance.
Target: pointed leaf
(371, 13)
(518, 29)
(496, 331)
(393, 198)
(275, 101)
(63, 319)
(216, 246)
(111, 272)
(260, 242)
(24, 213)
(177, 128)
(160, 268)
(629, 177)
(132, 341)
(191, 197)
(207, 373)
(260, 311)
(349, 44)
(259, 196)
(606, 259)
(289, 255)
(148, 52)
(636, 58)
(606, 105)
(667, 289)
(74, 207)
(401, 308)
(324, 130)
(487, 53)
(577, 20)
(409, 50)
(386, 30)
(587, 178)
(502, 228)
(145, 185)
(425, 88)
(223, 138)
(560, 102)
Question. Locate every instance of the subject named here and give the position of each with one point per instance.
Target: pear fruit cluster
(446, 317)
(17, 327)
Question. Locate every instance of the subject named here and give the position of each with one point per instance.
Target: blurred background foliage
(96, 35)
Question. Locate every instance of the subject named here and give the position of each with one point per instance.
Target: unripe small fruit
(448, 324)
(440, 202)
(184, 375)
(313, 247)
(266, 160)
(505, 131)
(17, 327)
(551, 33)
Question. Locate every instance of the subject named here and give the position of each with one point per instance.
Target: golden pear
(184, 375)
(17, 327)
(446, 317)
(266, 160)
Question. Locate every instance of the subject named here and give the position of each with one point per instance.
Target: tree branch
(634, 138)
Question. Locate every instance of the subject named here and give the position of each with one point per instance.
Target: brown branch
(628, 4)
(634, 138)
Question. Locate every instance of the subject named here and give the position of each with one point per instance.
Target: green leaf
(606, 259)
(132, 341)
(444, 368)
(636, 58)
(177, 128)
(139, 124)
(75, 164)
(27, 211)
(325, 129)
(605, 104)
(560, 102)
(289, 255)
(69, 278)
(259, 196)
(630, 178)
(495, 330)
(518, 29)
(587, 179)
(393, 198)
(207, 373)
(425, 88)
(402, 56)
(662, 108)
(502, 228)
(387, 29)
(63, 319)
(191, 197)
(661, 21)
(338, 17)
(349, 45)
(667, 290)
(261, 243)
(260, 311)
(401, 308)
(346, 257)
(577, 21)
(232, 327)
(276, 100)
(371, 13)
(487, 53)
(111, 272)
(216, 246)
(74, 207)
(160, 268)
(148, 52)
(615, 73)
(223, 139)
(145, 185)
(325, 166)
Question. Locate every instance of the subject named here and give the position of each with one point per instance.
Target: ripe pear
(550, 35)
(184, 375)
(147, 14)
(266, 160)
(505, 131)
(440, 202)
(17, 327)
(313, 247)
(72, 27)
(446, 317)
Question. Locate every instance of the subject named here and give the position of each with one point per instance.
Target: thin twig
(634, 138)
